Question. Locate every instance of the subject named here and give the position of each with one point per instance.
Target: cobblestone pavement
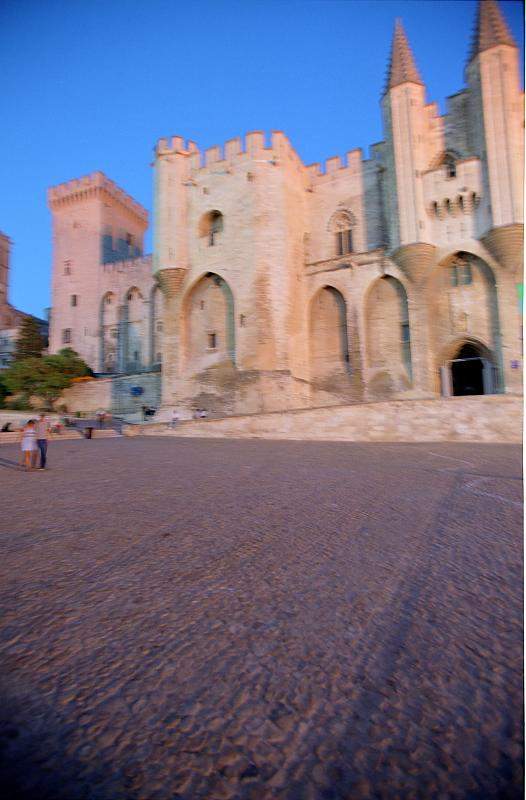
(221, 619)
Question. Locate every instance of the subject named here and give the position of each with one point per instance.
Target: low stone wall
(112, 394)
(492, 418)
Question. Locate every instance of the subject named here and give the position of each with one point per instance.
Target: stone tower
(497, 138)
(404, 114)
(94, 222)
(497, 113)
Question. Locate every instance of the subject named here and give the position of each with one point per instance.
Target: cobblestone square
(226, 619)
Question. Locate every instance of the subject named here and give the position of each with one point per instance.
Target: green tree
(30, 342)
(45, 377)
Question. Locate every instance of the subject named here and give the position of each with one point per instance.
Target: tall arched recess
(156, 326)
(329, 344)
(210, 335)
(388, 332)
(109, 333)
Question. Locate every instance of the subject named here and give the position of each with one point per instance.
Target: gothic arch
(211, 226)
(341, 220)
(135, 334)
(156, 326)
(328, 336)
(209, 322)
(387, 330)
(109, 333)
(462, 302)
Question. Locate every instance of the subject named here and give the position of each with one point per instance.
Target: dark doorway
(467, 371)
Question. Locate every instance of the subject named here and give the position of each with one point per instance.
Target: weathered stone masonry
(278, 285)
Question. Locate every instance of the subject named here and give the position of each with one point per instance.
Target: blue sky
(92, 84)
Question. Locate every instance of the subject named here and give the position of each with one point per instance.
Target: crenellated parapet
(335, 168)
(271, 148)
(95, 185)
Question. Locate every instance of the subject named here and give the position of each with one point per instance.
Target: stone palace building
(276, 285)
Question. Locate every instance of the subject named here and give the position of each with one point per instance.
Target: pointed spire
(491, 28)
(402, 67)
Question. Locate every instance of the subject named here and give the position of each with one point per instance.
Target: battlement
(93, 185)
(272, 148)
(336, 166)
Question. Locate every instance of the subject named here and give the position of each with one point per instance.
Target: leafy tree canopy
(30, 341)
(45, 377)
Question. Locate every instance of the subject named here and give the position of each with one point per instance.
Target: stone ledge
(492, 418)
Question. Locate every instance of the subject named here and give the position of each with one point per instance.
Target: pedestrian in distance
(175, 419)
(42, 432)
(28, 439)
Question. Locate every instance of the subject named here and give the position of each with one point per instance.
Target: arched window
(341, 225)
(447, 204)
(450, 166)
(211, 227)
(460, 201)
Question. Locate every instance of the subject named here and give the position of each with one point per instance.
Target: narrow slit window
(212, 341)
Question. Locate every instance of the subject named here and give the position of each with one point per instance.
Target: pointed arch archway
(388, 333)
(109, 333)
(328, 337)
(135, 338)
(156, 326)
(462, 302)
(468, 368)
(208, 323)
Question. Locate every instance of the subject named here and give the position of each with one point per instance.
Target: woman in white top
(29, 444)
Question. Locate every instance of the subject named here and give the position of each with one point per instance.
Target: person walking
(42, 432)
(175, 419)
(29, 445)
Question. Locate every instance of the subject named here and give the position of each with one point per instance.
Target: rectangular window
(66, 336)
(405, 332)
(73, 299)
(349, 241)
(212, 341)
(339, 243)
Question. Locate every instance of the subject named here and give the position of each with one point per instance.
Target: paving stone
(326, 620)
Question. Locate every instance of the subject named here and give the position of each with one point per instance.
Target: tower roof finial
(402, 65)
(491, 28)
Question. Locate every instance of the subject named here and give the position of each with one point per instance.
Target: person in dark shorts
(42, 433)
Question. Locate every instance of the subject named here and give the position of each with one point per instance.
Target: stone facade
(288, 286)
(10, 317)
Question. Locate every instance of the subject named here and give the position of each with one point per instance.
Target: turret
(171, 181)
(405, 124)
(497, 113)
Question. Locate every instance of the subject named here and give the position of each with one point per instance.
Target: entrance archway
(471, 371)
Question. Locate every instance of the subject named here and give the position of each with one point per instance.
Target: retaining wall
(492, 418)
